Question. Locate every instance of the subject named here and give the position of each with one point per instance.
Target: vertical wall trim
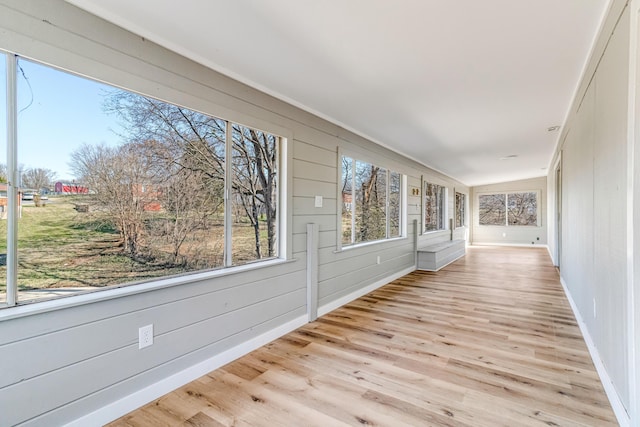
(554, 236)
(312, 271)
(339, 198)
(285, 195)
(14, 181)
(404, 205)
(422, 209)
(416, 235)
(633, 322)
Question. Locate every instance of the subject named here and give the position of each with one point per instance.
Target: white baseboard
(141, 397)
(517, 245)
(324, 309)
(614, 399)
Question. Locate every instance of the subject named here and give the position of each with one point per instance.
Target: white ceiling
(456, 85)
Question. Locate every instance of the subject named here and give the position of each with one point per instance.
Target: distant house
(63, 187)
(150, 194)
(4, 201)
(347, 200)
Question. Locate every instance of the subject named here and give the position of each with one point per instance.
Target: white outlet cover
(145, 336)
(318, 202)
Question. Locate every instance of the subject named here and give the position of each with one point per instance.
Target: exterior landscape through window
(117, 188)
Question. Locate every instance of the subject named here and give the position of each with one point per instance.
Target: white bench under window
(438, 255)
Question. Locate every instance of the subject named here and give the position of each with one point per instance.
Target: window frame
(163, 93)
(445, 206)
(356, 157)
(506, 200)
(457, 207)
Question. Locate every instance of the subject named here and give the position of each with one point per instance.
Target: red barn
(70, 188)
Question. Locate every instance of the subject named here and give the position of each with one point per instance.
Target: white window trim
(340, 247)
(284, 218)
(506, 193)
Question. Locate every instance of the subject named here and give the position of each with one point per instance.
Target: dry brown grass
(62, 248)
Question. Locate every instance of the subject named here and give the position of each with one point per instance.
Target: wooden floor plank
(489, 340)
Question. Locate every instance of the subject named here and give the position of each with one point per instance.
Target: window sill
(366, 244)
(509, 226)
(119, 291)
(435, 231)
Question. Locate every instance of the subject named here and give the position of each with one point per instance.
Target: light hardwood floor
(488, 341)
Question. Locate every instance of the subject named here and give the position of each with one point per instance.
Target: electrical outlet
(145, 336)
(378, 260)
(318, 202)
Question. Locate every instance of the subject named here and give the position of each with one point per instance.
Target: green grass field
(59, 247)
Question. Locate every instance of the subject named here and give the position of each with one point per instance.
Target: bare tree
(196, 142)
(38, 178)
(522, 208)
(492, 209)
(368, 209)
(434, 199)
(3, 173)
(254, 181)
(188, 198)
(123, 181)
(370, 202)
(348, 201)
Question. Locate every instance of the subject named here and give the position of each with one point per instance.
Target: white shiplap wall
(63, 363)
(593, 156)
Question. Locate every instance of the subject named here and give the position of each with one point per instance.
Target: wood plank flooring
(488, 341)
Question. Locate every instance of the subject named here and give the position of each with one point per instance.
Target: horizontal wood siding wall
(61, 364)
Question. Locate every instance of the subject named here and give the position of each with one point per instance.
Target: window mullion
(387, 212)
(12, 184)
(506, 208)
(228, 195)
(353, 201)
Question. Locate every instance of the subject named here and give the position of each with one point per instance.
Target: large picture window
(435, 202)
(508, 209)
(371, 202)
(117, 188)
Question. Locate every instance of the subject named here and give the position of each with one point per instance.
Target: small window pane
(395, 184)
(434, 207)
(460, 209)
(523, 209)
(492, 209)
(370, 202)
(347, 200)
(254, 198)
